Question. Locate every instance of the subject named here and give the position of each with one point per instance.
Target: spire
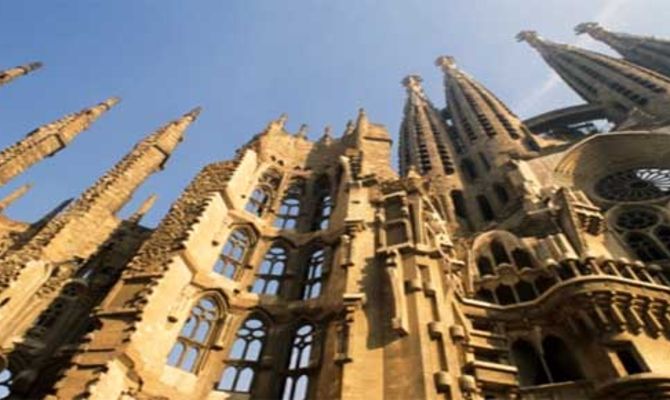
(302, 132)
(143, 209)
(423, 135)
(15, 195)
(647, 51)
(47, 140)
(13, 73)
(93, 214)
(478, 116)
(277, 125)
(327, 137)
(617, 85)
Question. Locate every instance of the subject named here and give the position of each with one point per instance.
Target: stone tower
(506, 260)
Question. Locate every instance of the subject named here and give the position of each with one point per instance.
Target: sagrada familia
(507, 259)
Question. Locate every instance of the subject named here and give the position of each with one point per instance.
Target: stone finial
(413, 83)
(193, 114)
(587, 27)
(302, 132)
(13, 196)
(13, 73)
(349, 128)
(445, 62)
(529, 36)
(143, 209)
(362, 119)
(277, 125)
(327, 135)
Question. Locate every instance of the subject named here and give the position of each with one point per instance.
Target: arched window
(234, 253)
(195, 336)
(261, 197)
(529, 364)
(5, 383)
(244, 357)
(297, 380)
(484, 266)
(469, 168)
(499, 253)
(501, 193)
(458, 201)
(324, 204)
(314, 275)
(485, 208)
(258, 201)
(560, 361)
(271, 272)
(289, 210)
(522, 258)
(645, 248)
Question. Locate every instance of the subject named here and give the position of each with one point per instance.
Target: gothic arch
(497, 247)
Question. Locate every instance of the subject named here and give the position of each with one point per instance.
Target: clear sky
(247, 61)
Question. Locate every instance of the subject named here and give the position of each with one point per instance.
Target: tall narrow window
(485, 208)
(324, 204)
(630, 360)
(499, 253)
(258, 201)
(261, 197)
(501, 193)
(5, 383)
(233, 255)
(469, 168)
(271, 272)
(314, 275)
(195, 336)
(297, 381)
(289, 210)
(244, 357)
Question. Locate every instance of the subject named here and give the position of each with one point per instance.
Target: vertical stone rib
(423, 135)
(47, 140)
(647, 51)
(16, 72)
(618, 85)
(90, 219)
(477, 113)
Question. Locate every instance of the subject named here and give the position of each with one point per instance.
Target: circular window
(638, 184)
(636, 219)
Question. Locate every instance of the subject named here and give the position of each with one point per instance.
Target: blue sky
(247, 61)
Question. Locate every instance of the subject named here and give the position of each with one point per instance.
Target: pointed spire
(143, 209)
(93, 213)
(15, 195)
(362, 120)
(277, 125)
(327, 137)
(349, 129)
(477, 114)
(47, 140)
(13, 73)
(647, 51)
(423, 137)
(302, 132)
(617, 85)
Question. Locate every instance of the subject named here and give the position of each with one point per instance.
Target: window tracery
(325, 204)
(233, 254)
(314, 275)
(261, 197)
(296, 384)
(5, 383)
(195, 336)
(645, 231)
(271, 271)
(244, 358)
(289, 210)
(636, 184)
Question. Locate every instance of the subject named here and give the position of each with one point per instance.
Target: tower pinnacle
(47, 140)
(647, 51)
(617, 85)
(13, 73)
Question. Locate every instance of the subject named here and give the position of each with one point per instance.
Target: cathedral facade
(506, 259)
